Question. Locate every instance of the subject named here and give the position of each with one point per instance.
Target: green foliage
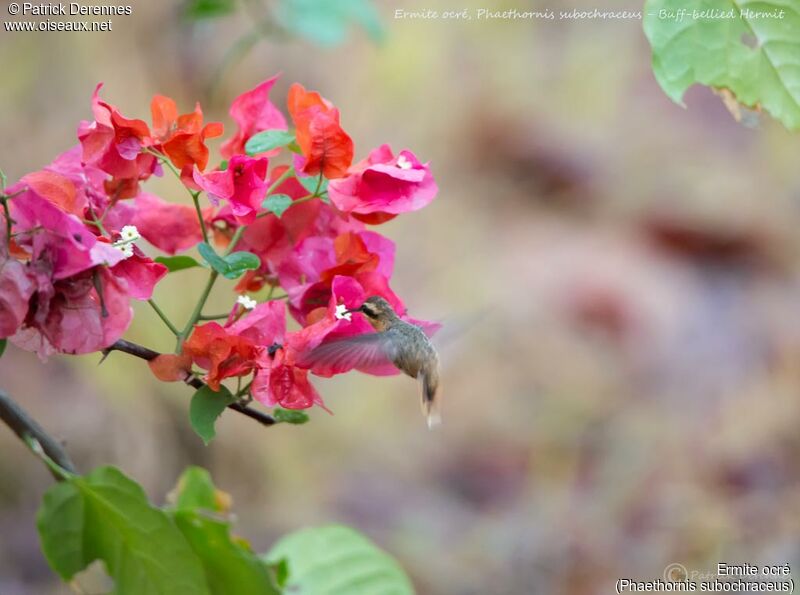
(336, 560)
(177, 263)
(205, 408)
(195, 490)
(325, 22)
(231, 266)
(188, 546)
(207, 9)
(290, 416)
(106, 516)
(277, 203)
(755, 56)
(267, 141)
(3, 345)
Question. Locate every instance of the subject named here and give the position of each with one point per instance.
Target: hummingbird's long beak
(354, 310)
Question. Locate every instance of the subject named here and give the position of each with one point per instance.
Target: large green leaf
(336, 560)
(230, 566)
(749, 47)
(326, 22)
(205, 408)
(106, 516)
(3, 344)
(196, 491)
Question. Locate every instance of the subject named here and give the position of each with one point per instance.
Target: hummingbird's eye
(369, 311)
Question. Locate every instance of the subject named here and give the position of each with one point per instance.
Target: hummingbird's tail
(431, 396)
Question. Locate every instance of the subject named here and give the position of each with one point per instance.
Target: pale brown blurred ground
(631, 397)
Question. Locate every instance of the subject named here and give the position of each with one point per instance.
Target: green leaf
(294, 147)
(268, 140)
(223, 165)
(290, 416)
(756, 56)
(230, 566)
(205, 408)
(310, 183)
(277, 203)
(206, 9)
(325, 22)
(336, 560)
(195, 491)
(3, 345)
(231, 266)
(106, 516)
(177, 263)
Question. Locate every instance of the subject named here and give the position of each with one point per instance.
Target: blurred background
(627, 396)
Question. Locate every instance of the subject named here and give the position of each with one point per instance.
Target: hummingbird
(403, 344)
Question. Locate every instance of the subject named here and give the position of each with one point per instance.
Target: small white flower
(341, 312)
(403, 163)
(246, 302)
(126, 249)
(129, 233)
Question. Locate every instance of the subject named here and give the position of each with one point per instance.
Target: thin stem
(27, 429)
(148, 354)
(198, 309)
(213, 316)
(199, 211)
(163, 317)
(163, 159)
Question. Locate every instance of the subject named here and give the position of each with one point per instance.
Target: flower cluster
(286, 210)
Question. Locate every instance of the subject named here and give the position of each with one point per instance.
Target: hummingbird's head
(378, 311)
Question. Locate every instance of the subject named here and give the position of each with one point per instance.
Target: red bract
(114, 144)
(183, 137)
(140, 275)
(168, 226)
(46, 232)
(274, 239)
(80, 314)
(223, 354)
(383, 186)
(368, 257)
(241, 184)
(326, 148)
(253, 112)
(279, 381)
(231, 350)
(16, 288)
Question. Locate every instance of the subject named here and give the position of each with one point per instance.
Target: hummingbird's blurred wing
(365, 351)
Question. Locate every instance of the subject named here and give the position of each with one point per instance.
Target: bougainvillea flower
(16, 288)
(253, 112)
(140, 274)
(242, 185)
(307, 275)
(278, 381)
(182, 137)
(326, 148)
(231, 350)
(48, 233)
(114, 143)
(222, 354)
(383, 185)
(168, 226)
(81, 314)
(275, 239)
